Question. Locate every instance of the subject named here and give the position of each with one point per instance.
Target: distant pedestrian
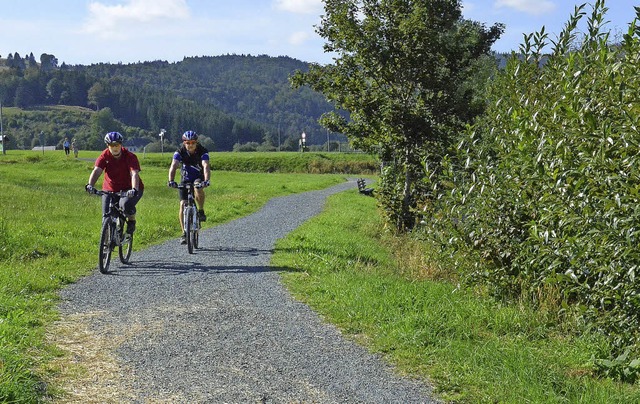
(74, 147)
(66, 146)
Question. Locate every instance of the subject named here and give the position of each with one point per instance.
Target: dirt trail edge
(217, 326)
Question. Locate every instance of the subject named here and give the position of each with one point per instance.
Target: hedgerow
(545, 189)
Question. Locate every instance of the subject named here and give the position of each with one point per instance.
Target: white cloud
(113, 21)
(300, 6)
(535, 7)
(299, 38)
(468, 7)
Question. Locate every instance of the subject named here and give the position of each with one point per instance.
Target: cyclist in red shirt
(121, 173)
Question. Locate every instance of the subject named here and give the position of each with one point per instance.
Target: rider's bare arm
(172, 170)
(95, 174)
(206, 169)
(135, 179)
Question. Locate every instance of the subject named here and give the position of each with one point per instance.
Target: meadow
(375, 287)
(49, 233)
(382, 292)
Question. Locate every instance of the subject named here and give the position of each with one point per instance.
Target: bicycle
(190, 217)
(112, 233)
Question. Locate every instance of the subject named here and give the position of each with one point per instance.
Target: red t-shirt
(117, 172)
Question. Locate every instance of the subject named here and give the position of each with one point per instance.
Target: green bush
(547, 187)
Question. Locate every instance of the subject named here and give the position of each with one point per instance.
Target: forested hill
(231, 99)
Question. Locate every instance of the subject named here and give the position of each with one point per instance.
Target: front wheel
(195, 231)
(125, 248)
(106, 241)
(188, 224)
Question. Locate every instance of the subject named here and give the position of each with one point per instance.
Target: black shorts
(128, 205)
(183, 193)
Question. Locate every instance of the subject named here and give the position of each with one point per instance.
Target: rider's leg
(199, 197)
(183, 238)
(106, 199)
(128, 205)
(181, 215)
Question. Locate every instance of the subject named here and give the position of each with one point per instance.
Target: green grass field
(475, 350)
(49, 233)
(347, 268)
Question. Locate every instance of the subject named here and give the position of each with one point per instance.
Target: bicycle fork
(116, 229)
(194, 221)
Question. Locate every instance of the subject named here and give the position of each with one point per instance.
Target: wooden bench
(362, 187)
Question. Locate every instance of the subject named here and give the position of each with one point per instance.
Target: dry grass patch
(88, 370)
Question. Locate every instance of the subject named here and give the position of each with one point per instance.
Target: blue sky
(128, 31)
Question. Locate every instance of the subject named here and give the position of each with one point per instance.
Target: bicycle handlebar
(190, 185)
(119, 193)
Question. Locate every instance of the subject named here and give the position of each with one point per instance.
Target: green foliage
(231, 99)
(472, 348)
(312, 163)
(24, 127)
(399, 73)
(546, 188)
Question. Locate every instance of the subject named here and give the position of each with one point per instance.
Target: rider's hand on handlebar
(132, 193)
(205, 184)
(172, 184)
(89, 188)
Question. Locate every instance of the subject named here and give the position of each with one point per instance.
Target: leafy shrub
(547, 188)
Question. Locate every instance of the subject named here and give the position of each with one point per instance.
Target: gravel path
(217, 326)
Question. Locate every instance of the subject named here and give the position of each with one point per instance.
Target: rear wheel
(106, 241)
(188, 222)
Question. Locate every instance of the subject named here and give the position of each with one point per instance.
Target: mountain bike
(190, 217)
(112, 234)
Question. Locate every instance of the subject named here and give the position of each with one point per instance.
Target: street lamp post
(162, 132)
(4, 150)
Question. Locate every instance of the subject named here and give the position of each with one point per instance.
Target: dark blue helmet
(113, 137)
(189, 135)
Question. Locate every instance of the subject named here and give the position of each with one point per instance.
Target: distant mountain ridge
(232, 99)
(251, 88)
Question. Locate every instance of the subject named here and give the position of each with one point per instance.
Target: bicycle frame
(112, 233)
(190, 218)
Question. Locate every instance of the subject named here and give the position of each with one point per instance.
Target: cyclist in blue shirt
(193, 160)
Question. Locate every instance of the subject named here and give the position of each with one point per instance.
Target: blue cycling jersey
(191, 163)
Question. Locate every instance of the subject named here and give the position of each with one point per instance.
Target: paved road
(218, 326)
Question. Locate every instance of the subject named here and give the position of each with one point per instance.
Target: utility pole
(4, 150)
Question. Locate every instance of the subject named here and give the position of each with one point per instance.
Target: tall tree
(398, 68)
(48, 62)
(18, 62)
(55, 88)
(97, 95)
(31, 60)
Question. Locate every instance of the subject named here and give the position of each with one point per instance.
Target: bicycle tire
(195, 229)
(126, 248)
(106, 241)
(196, 234)
(188, 220)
